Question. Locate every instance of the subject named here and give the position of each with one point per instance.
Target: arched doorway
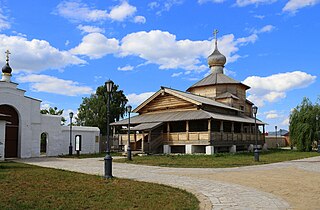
(43, 143)
(12, 131)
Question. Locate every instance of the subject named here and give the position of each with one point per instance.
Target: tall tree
(54, 111)
(93, 109)
(304, 126)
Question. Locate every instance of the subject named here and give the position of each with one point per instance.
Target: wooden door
(12, 131)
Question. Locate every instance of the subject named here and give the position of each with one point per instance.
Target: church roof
(195, 99)
(185, 115)
(216, 79)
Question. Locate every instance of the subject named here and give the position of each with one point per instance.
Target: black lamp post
(128, 109)
(276, 128)
(70, 145)
(108, 158)
(317, 132)
(256, 151)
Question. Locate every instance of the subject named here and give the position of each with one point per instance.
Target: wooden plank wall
(166, 102)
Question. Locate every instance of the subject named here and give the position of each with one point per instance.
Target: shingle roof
(227, 95)
(146, 126)
(182, 116)
(215, 79)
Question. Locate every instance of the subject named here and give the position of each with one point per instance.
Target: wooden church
(210, 116)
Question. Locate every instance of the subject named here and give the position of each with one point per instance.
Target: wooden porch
(198, 132)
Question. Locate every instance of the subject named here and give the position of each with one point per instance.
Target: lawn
(220, 160)
(30, 187)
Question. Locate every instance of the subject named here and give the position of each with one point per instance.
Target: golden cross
(7, 56)
(215, 33)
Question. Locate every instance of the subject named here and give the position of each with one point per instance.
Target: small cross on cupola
(7, 56)
(215, 32)
(6, 69)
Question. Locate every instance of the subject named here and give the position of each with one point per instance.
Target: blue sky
(63, 50)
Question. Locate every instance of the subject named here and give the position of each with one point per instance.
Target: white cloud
(177, 74)
(213, 1)
(170, 53)
(166, 50)
(274, 87)
(136, 99)
(36, 55)
(66, 116)
(169, 3)
(96, 45)
(50, 84)
(4, 23)
(139, 19)
(243, 3)
(77, 11)
(272, 114)
(259, 16)
(97, 78)
(229, 72)
(267, 28)
(153, 5)
(285, 122)
(45, 105)
(126, 68)
(294, 5)
(164, 6)
(90, 29)
(122, 11)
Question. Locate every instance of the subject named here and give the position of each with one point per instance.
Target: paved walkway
(212, 194)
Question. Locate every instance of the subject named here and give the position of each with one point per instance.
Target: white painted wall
(2, 136)
(32, 124)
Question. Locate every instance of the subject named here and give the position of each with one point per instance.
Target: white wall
(32, 124)
(2, 138)
(88, 138)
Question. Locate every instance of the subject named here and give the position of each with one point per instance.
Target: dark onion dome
(216, 58)
(6, 69)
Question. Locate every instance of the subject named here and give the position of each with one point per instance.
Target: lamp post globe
(108, 159)
(70, 144)
(256, 151)
(128, 110)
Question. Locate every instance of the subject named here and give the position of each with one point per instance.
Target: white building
(21, 126)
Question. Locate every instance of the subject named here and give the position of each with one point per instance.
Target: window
(78, 143)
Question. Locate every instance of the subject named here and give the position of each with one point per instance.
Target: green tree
(54, 111)
(93, 109)
(304, 126)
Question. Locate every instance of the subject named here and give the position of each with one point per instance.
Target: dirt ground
(301, 189)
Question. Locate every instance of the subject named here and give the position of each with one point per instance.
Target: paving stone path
(212, 194)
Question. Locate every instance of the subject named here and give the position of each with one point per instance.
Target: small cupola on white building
(6, 69)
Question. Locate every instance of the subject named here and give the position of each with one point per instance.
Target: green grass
(30, 187)
(93, 155)
(220, 160)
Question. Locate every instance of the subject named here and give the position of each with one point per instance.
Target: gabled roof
(216, 79)
(190, 97)
(227, 95)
